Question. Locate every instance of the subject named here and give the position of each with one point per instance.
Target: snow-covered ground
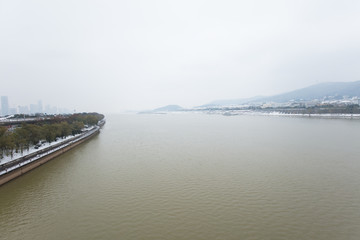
(32, 149)
(8, 119)
(276, 113)
(77, 137)
(227, 112)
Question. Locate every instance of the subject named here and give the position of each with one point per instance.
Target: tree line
(322, 109)
(27, 135)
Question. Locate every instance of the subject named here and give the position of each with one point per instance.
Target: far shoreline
(230, 113)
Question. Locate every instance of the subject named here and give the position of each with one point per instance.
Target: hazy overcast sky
(114, 55)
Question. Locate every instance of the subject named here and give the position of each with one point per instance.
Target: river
(195, 176)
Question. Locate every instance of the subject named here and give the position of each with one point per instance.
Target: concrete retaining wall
(28, 167)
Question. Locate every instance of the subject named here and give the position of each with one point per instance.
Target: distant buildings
(36, 108)
(12, 111)
(32, 109)
(4, 105)
(40, 107)
(51, 110)
(24, 110)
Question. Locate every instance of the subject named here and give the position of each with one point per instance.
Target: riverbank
(279, 113)
(227, 112)
(19, 166)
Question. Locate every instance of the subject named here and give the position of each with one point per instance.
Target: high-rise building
(4, 105)
(40, 107)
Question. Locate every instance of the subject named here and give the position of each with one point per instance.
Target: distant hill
(169, 108)
(319, 91)
(334, 90)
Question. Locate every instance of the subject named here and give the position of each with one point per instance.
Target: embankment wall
(34, 164)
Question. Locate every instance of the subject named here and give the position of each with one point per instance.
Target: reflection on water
(195, 177)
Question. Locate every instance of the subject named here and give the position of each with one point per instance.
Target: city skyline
(138, 55)
(31, 108)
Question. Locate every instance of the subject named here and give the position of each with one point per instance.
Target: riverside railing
(19, 162)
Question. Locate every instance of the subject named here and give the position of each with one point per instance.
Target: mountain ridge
(168, 108)
(317, 91)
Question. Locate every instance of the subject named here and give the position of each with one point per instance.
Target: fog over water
(183, 175)
(195, 176)
(111, 56)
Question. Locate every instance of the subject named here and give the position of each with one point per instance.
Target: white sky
(110, 56)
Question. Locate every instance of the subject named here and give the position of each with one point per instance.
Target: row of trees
(323, 109)
(23, 137)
